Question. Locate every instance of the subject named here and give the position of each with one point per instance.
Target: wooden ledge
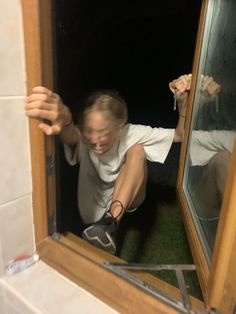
(81, 263)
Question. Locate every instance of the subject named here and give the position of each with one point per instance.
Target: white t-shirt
(97, 173)
(205, 144)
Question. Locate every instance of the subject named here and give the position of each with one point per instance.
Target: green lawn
(155, 234)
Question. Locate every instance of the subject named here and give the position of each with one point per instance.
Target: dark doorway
(135, 47)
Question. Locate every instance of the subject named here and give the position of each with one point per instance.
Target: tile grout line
(12, 201)
(8, 97)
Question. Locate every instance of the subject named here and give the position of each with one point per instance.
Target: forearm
(179, 131)
(69, 134)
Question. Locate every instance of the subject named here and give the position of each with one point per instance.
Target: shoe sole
(96, 241)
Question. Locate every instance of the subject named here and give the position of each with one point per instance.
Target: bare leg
(130, 185)
(129, 192)
(210, 194)
(213, 181)
(222, 161)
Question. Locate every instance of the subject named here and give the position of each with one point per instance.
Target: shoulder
(131, 128)
(138, 130)
(134, 134)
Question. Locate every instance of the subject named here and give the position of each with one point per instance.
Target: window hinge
(50, 165)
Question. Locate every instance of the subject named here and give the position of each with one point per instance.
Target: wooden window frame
(215, 278)
(71, 256)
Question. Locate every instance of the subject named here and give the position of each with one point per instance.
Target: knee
(218, 166)
(221, 160)
(224, 156)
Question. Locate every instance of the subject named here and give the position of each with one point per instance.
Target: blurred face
(99, 132)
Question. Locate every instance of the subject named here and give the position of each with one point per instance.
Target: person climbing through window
(112, 153)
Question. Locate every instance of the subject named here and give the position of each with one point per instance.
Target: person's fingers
(209, 86)
(172, 86)
(50, 98)
(213, 88)
(40, 105)
(206, 81)
(186, 81)
(50, 129)
(42, 90)
(45, 128)
(181, 85)
(189, 81)
(42, 114)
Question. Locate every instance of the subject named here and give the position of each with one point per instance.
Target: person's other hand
(209, 87)
(180, 87)
(47, 107)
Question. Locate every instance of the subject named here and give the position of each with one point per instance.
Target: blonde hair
(110, 103)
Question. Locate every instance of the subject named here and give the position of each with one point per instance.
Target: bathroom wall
(39, 289)
(16, 227)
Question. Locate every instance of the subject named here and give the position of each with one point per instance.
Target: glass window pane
(213, 121)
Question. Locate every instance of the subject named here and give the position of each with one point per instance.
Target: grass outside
(155, 234)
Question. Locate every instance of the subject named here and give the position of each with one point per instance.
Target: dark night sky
(135, 47)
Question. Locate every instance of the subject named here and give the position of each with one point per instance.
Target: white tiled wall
(12, 70)
(16, 226)
(34, 287)
(38, 289)
(11, 302)
(14, 158)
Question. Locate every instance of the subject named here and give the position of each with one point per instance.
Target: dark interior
(135, 47)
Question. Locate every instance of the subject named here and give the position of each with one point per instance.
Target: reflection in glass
(213, 122)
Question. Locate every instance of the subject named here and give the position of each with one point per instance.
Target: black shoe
(102, 234)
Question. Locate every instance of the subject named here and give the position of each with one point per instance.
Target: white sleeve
(72, 153)
(156, 141)
(205, 144)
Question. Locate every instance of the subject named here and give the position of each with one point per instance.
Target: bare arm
(69, 134)
(181, 87)
(179, 130)
(43, 105)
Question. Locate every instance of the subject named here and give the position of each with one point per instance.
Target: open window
(95, 270)
(207, 168)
